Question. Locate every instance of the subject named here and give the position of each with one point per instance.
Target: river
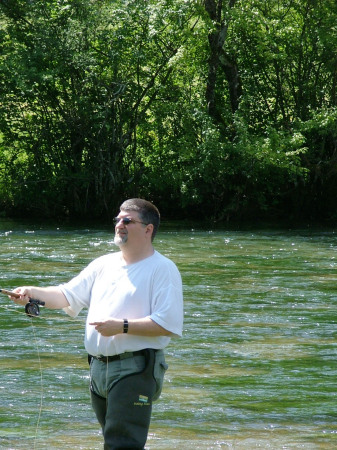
(256, 367)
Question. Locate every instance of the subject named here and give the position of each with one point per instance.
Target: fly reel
(32, 307)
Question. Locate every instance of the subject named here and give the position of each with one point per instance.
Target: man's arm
(139, 327)
(52, 296)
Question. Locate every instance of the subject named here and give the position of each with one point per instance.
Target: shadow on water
(256, 367)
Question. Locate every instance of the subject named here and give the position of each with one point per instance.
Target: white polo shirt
(111, 289)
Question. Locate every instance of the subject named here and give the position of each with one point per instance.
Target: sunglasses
(126, 221)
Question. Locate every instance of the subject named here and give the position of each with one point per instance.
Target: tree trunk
(220, 59)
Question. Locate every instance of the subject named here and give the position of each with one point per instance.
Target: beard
(120, 239)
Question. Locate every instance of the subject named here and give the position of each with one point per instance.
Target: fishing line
(37, 348)
(41, 381)
(35, 340)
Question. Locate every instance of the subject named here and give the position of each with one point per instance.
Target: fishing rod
(32, 307)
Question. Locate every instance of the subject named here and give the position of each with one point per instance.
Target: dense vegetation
(217, 109)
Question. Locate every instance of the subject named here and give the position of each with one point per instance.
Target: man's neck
(131, 256)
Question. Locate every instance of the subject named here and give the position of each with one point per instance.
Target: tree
(225, 109)
(220, 59)
(85, 77)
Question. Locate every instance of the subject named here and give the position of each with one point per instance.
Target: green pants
(122, 393)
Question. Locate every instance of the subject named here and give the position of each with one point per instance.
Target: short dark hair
(148, 212)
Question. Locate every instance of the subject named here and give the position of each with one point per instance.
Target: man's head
(146, 211)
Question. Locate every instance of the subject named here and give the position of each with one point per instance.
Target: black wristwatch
(126, 326)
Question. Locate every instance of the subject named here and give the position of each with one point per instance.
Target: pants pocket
(160, 367)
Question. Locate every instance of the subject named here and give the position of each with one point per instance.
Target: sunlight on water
(256, 367)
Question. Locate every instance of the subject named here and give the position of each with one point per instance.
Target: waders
(126, 412)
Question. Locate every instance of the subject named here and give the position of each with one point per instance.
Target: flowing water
(256, 367)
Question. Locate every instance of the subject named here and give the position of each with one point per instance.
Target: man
(135, 305)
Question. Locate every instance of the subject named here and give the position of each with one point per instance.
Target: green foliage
(225, 109)
(85, 77)
(319, 196)
(287, 64)
(244, 178)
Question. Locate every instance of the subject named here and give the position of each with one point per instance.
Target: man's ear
(149, 229)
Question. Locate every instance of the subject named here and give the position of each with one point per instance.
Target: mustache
(121, 233)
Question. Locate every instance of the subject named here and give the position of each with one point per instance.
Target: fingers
(23, 291)
(23, 295)
(95, 323)
(104, 328)
(13, 296)
(99, 326)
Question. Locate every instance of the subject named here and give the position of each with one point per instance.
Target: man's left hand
(109, 327)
